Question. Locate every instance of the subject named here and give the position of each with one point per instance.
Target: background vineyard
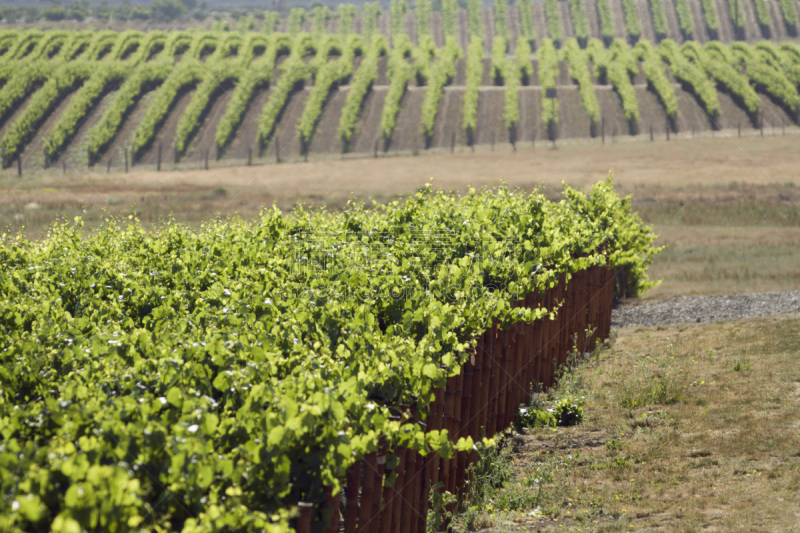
(283, 90)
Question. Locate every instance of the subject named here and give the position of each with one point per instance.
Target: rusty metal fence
(481, 401)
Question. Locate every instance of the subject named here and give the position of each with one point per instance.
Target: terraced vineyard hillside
(375, 83)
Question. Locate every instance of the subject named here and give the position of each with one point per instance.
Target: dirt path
(691, 309)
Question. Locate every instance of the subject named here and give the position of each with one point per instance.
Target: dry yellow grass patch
(689, 428)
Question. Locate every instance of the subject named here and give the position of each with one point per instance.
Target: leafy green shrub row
(659, 19)
(257, 41)
(221, 72)
(152, 41)
(499, 47)
(294, 25)
(770, 80)
(449, 8)
(371, 12)
(474, 75)
(691, 75)
(325, 80)
(621, 67)
(525, 22)
(737, 16)
(229, 45)
(7, 40)
(293, 71)
(362, 82)
(105, 77)
(204, 383)
(501, 20)
(423, 14)
(323, 47)
(144, 78)
(548, 74)
(184, 76)
(215, 78)
(522, 54)
(657, 80)
(178, 42)
(76, 45)
(579, 71)
(771, 54)
(553, 20)
(617, 65)
(348, 13)
(271, 19)
(48, 45)
(764, 18)
(400, 73)
(789, 14)
(791, 62)
(577, 12)
(423, 56)
(606, 20)
(320, 16)
(25, 44)
(102, 43)
(60, 83)
(633, 26)
(441, 72)
(715, 61)
(710, 17)
(25, 79)
(124, 44)
(259, 75)
(511, 107)
(204, 44)
(396, 14)
(685, 20)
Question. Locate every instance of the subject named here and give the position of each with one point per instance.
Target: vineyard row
(128, 65)
(210, 379)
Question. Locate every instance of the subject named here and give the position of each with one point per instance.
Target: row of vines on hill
(122, 68)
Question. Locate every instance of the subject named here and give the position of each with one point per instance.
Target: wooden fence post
(304, 518)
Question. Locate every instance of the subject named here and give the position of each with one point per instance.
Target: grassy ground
(688, 428)
(728, 209)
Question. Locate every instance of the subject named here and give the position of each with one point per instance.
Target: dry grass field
(687, 428)
(728, 208)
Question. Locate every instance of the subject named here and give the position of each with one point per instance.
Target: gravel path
(683, 309)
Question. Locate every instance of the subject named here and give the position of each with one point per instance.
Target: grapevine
(553, 21)
(659, 19)
(657, 79)
(579, 71)
(63, 81)
(692, 77)
(400, 73)
(441, 72)
(579, 22)
(685, 18)
(606, 22)
(633, 26)
(362, 82)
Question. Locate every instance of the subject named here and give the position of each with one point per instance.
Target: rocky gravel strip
(688, 309)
